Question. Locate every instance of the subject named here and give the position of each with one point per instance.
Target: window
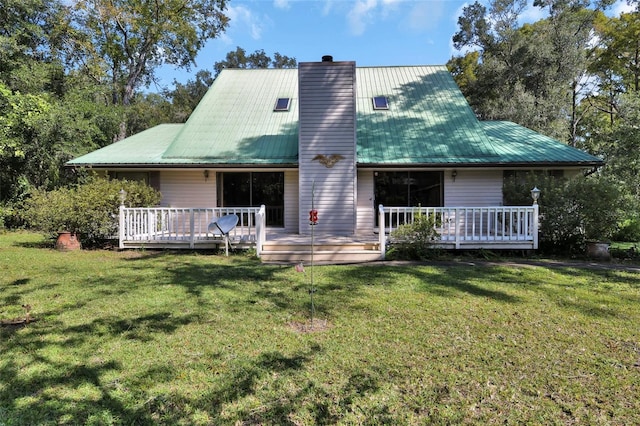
(131, 176)
(408, 189)
(517, 184)
(252, 189)
(282, 104)
(380, 102)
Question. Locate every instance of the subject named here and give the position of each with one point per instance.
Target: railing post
(150, 227)
(121, 227)
(457, 228)
(382, 232)
(192, 229)
(535, 226)
(260, 229)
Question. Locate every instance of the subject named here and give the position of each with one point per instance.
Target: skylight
(282, 104)
(380, 102)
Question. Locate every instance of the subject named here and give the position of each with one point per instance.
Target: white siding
(188, 188)
(327, 107)
(473, 188)
(291, 200)
(366, 208)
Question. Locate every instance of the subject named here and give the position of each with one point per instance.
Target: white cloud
(281, 4)
(242, 18)
(459, 11)
(532, 14)
(425, 16)
(389, 6)
(621, 6)
(328, 5)
(360, 15)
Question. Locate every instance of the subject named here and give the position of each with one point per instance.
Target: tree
(259, 59)
(532, 74)
(123, 41)
(185, 97)
(612, 113)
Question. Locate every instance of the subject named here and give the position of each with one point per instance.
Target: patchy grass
(158, 337)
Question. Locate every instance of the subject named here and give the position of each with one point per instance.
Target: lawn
(143, 337)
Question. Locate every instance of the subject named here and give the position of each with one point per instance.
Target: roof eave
(180, 165)
(550, 164)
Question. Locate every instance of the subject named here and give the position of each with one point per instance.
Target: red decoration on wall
(313, 216)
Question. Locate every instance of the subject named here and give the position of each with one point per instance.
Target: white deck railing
(457, 227)
(464, 225)
(139, 225)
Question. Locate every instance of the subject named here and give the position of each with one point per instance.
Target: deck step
(325, 253)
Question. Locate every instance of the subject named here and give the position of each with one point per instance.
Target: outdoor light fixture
(535, 194)
(206, 175)
(453, 175)
(123, 196)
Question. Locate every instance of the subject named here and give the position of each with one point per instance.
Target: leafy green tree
(185, 97)
(532, 74)
(259, 59)
(611, 114)
(122, 42)
(23, 120)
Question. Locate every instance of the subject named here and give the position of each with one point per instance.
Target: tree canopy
(71, 75)
(574, 75)
(259, 59)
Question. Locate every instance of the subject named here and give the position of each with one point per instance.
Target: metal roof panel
(428, 122)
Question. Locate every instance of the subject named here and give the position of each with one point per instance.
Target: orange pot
(67, 241)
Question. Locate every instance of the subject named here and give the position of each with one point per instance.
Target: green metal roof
(236, 123)
(428, 120)
(143, 148)
(518, 145)
(428, 123)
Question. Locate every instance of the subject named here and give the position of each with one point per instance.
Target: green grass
(163, 338)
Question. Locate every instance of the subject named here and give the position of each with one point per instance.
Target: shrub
(572, 211)
(89, 209)
(7, 214)
(628, 230)
(415, 241)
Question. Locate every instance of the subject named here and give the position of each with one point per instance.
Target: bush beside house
(89, 209)
(415, 241)
(573, 212)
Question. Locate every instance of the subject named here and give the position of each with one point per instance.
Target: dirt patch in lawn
(318, 325)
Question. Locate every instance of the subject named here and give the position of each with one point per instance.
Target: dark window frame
(248, 187)
(279, 107)
(380, 102)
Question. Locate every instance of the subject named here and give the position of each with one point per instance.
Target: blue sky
(370, 32)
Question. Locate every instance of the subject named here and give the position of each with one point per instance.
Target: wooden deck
(497, 228)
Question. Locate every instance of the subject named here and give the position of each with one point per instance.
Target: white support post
(382, 232)
(192, 229)
(535, 226)
(260, 229)
(457, 229)
(121, 227)
(151, 235)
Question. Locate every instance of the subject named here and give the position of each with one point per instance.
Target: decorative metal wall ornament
(328, 161)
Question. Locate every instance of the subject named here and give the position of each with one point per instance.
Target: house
(342, 140)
